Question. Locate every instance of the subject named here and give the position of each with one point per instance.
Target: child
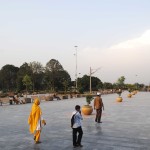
(77, 127)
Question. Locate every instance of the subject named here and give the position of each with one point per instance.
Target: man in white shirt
(77, 127)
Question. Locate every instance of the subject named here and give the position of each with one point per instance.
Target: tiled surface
(126, 125)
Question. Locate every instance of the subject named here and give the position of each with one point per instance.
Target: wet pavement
(125, 126)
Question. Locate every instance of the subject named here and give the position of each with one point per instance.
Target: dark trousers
(98, 115)
(77, 140)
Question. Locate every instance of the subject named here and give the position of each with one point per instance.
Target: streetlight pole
(76, 68)
(137, 82)
(91, 78)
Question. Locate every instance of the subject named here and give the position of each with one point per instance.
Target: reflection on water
(36, 147)
(98, 128)
(94, 129)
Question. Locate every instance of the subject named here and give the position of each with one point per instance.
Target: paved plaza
(126, 125)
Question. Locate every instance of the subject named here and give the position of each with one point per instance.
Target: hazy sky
(111, 34)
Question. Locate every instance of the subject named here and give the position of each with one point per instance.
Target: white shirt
(39, 125)
(77, 119)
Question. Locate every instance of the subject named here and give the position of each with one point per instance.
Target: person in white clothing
(77, 127)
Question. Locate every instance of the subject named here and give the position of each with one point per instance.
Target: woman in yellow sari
(35, 121)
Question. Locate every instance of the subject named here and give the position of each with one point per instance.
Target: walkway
(126, 125)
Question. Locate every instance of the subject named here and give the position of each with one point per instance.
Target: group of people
(17, 99)
(36, 121)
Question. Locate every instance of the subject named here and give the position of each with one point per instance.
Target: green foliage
(89, 98)
(8, 77)
(120, 82)
(53, 77)
(139, 86)
(37, 75)
(27, 82)
(56, 77)
(130, 87)
(81, 90)
(24, 69)
(84, 83)
(107, 85)
(36, 67)
(54, 66)
(65, 84)
(63, 80)
(51, 73)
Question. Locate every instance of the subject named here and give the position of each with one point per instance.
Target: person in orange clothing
(35, 121)
(98, 105)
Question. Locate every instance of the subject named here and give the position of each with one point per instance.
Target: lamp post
(76, 68)
(91, 77)
(137, 82)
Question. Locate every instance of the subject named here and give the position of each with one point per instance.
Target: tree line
(53, 77)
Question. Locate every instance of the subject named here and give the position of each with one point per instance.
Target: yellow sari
(34, 116)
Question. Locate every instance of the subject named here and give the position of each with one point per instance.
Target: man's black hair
(77, 107)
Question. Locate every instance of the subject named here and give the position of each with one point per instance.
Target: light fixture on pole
(76, 68)
(91, 77)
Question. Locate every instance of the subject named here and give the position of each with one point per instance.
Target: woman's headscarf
(34, 116)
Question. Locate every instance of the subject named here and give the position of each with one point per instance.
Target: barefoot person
(35, 121)
(98, 105)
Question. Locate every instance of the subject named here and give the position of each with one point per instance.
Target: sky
(113, 36)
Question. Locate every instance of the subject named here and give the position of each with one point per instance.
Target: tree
(120, 82)
(139, 86)
(27, 82)
(84, 83)
(53, 73)
(65, 84)
(54, 66)
(96, 83)
(107, 85)
(37, 74)
(25, 69)
(64, 80)
(8, 75)
(130, 87)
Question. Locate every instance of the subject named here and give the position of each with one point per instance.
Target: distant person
(36, 120)
(98, 105)
(22, 100)
(11, 100)
(1, 102)
(57, 97)
(71, 96)
(77, 127)
(16, 99)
